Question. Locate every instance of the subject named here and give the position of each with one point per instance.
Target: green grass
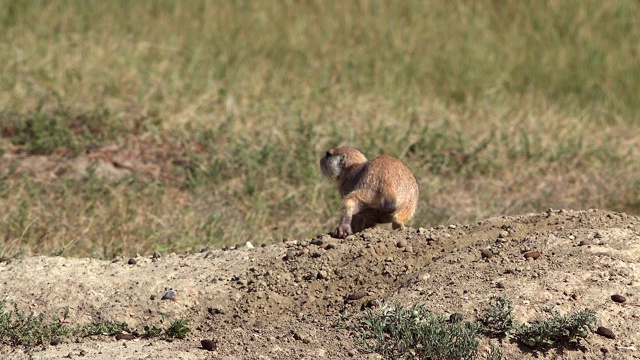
(223, 108)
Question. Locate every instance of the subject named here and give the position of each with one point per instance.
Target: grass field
(499, 108)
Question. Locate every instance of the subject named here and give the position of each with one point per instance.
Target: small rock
(455, 318)
(401, 243)
(249, 245)
(585, 243)
(604, 350)
(486, 253)
(603, 331)
(534, 254)
(289, 256)
(356, 295)
(156, 255)
(317, 241)
(322, 274)
(618, 298)
(214, 310)
(503, 234)
(330, 246)
(317, 254)
(55, 342)
(152, 297)
(370, 304)
(125, 337)
(598, 235)
(500, 285)
(169, 295)
(209, 345)
(132, 262)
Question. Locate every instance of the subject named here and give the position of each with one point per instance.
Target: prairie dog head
(335, 161)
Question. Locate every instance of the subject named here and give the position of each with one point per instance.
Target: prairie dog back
(382, 190)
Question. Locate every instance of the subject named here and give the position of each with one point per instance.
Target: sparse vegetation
(222, 109)
(415, 331)
(558, 329)
(20, 328)
(498, 319)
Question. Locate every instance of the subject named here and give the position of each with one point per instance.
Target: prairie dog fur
(382, 190)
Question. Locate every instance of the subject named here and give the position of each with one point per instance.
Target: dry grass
(498, 108)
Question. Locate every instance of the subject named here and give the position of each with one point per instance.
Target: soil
(304, 298)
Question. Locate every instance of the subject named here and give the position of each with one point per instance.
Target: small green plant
(497, 319)
(415, 331)
(557, 329)
(178, 329)
(18, 328)
(151, 331)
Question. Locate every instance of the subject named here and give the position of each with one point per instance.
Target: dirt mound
(297, 299)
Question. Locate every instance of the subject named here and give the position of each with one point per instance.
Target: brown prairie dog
(379, 191)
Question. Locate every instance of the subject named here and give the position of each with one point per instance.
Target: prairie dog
(379, 191)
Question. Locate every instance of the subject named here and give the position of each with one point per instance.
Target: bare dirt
(291, 299)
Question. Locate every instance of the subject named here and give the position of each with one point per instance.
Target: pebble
(156, 255)
(125, 337)
(209, 345)
(486, 253)
(215, 310)
(618, 298)
(249, 245)
(369, 304)
(132, 262)
(317, 241)
(356, 295)
(169, 295)
(289, 256)
(534, 254)
(401, 243)
(503, 234)
(603, 331)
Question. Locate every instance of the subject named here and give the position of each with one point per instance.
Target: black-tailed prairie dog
(379, 191)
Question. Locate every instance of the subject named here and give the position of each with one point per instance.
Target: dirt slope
(288, 300)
